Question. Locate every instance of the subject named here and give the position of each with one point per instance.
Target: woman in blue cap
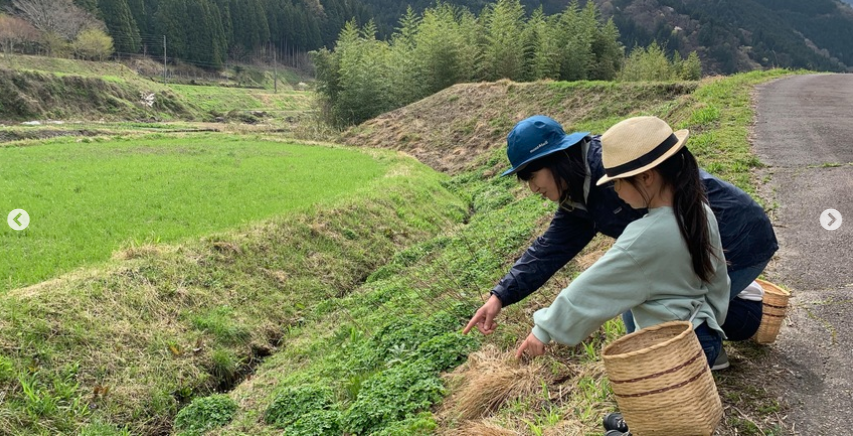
(566, 169)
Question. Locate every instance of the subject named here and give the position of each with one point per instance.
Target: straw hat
(636, 145)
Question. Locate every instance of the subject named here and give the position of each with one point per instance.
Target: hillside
(461, 130)
(729, 35)
(741, 35)
(39, 88)
(27, 95)
(205, 33)
(435, 131)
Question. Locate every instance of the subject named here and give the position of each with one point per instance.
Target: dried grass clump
(490, 379)
(481, 428)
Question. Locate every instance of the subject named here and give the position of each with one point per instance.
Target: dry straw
(492, 379)
(482, 428)
(662, 383)
(775, 304)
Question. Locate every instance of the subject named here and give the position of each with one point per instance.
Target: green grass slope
(130, 341)
(369, 364)
(346, 319)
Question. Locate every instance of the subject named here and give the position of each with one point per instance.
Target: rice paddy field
(215, 98)
(90, 197)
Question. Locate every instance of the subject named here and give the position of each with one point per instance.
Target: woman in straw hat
(565, 169)
(668, 265)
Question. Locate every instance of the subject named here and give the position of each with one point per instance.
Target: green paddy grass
(87, 200)
(222, 99)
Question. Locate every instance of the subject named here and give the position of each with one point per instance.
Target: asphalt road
(804, 133)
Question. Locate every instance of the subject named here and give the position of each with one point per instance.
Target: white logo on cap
(539, 146)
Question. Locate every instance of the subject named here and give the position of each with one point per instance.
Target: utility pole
(274, 71)
(164, 60)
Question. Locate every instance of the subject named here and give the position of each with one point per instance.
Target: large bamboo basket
(662, 382)
(775, 307)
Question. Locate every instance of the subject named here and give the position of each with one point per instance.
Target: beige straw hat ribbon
(636, 145)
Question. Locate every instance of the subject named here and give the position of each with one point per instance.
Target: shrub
(447, 351)
(651, 64)
(422, 424)
(392, 395)
(204, 414)
(93, 44)
(316, 423)
(292, 404)
(410, 332)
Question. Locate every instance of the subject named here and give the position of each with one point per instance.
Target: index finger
(471, 323)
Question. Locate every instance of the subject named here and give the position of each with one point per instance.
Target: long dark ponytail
(681, 173)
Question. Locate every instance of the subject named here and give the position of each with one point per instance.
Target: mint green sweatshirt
(649, 271)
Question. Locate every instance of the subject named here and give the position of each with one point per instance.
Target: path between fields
(804, 133)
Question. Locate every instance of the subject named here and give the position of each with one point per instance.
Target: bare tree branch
(58, 17)
(14, 30)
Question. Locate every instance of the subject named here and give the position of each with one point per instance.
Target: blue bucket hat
(534, 138)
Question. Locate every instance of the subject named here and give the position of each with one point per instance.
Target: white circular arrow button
(18, 219)
(830, 219)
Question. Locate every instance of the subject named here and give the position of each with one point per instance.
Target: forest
(205, 33)
(728, 35)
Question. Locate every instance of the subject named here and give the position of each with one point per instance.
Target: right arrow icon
(830, 219)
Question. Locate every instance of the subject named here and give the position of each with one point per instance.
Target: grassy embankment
(364, 358)
(38, 88)
(129, 340)
(362, 382)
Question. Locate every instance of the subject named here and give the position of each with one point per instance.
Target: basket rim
(631, 354)
(772, 288)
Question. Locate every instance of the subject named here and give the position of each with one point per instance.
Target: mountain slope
(740, 35)
(729, 35)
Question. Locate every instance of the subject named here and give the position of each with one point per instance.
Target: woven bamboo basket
(775, 306)
(662, 383)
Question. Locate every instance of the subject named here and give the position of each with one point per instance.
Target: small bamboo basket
(775, 306)
(662, 383)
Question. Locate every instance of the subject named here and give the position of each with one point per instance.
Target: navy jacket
(745, 230)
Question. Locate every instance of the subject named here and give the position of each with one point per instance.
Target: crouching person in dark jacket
(564, 169)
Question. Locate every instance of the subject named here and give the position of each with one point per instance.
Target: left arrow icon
(18, 219)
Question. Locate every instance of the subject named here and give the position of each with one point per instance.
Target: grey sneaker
(721, 362)
(616, 433)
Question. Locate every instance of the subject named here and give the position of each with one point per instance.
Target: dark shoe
(721, 362)
(614, 421)
(616, 433)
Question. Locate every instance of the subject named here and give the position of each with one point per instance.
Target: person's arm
(567, 235)
(614, 284)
